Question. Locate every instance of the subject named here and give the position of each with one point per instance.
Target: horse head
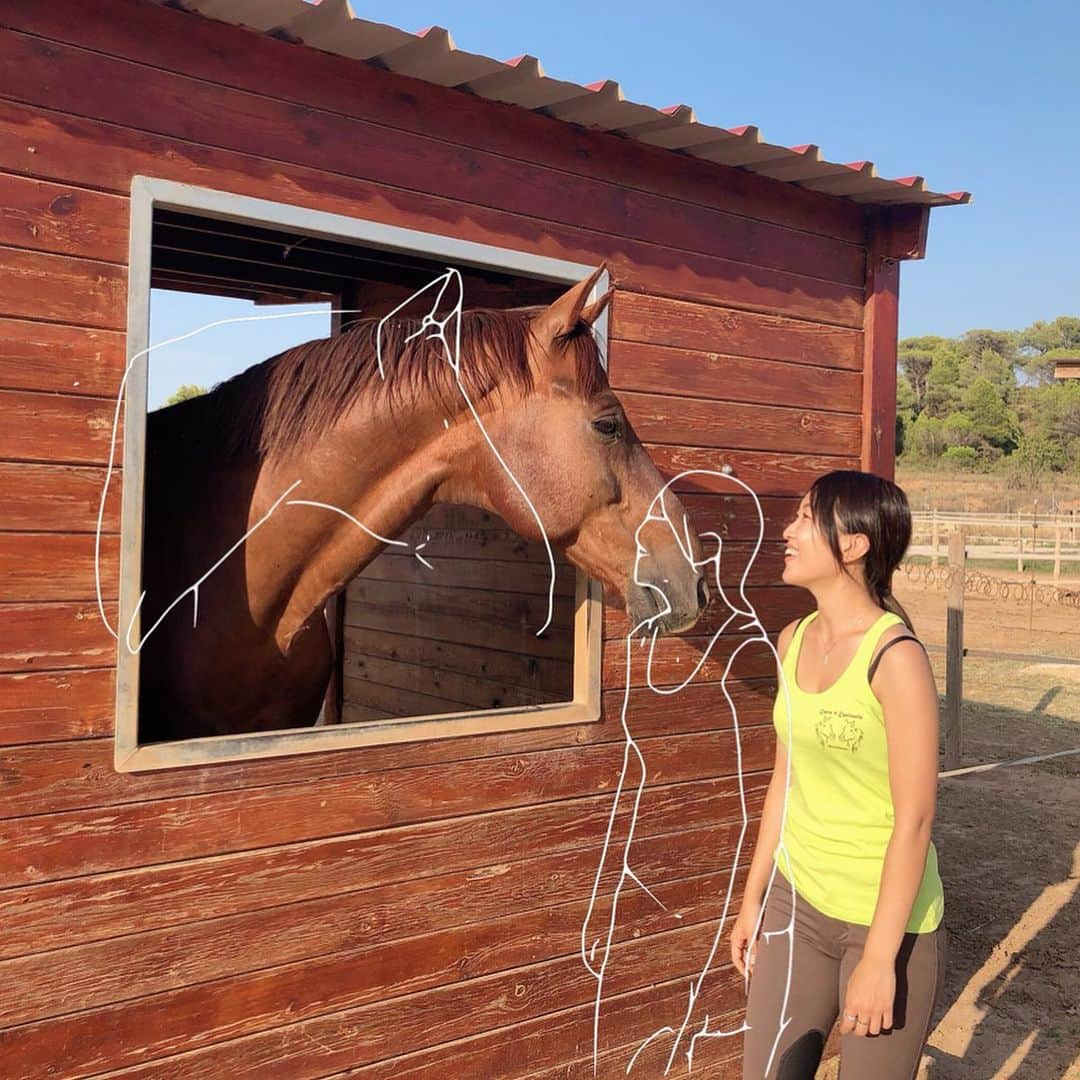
(594, 491)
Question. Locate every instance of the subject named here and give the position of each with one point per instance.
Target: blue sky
(982, 97)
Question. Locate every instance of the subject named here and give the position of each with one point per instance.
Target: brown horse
(381, 436)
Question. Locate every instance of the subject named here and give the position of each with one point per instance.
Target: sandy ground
(1008, 841)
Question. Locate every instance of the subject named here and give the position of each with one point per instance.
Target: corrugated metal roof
(431, 55)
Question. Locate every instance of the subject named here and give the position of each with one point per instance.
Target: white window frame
(148, 193)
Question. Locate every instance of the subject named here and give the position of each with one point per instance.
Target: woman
(866, 941)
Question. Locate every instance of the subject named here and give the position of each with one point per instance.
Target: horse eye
(608, 426)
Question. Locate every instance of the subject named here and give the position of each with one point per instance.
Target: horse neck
(383, 472)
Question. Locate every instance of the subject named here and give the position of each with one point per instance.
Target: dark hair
(864, 503)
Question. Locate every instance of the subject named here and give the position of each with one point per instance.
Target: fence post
(954, 650)
(1019, 544)
(1057, 551)
(934, 541)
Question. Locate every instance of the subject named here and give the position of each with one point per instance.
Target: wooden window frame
(148, 193)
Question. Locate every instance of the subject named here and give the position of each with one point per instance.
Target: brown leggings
(825, 952)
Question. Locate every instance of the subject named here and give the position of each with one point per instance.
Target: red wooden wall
(409, 910)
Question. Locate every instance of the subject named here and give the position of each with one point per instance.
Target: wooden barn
(399, 891)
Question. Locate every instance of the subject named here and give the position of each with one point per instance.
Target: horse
(376, 425)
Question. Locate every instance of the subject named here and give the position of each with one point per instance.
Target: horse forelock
(279, 407)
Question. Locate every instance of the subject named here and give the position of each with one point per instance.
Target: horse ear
(566, 312)
(593, 312)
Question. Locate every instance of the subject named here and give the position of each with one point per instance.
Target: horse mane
(279, 407)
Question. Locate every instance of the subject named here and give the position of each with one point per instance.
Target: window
(450, 630)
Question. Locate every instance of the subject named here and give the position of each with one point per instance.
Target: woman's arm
(905, 686)
(904, 683)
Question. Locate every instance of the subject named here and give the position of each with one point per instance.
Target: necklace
(837, 641)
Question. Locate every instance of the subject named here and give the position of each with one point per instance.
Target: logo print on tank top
(837, 730)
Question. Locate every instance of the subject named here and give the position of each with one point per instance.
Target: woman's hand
(871, 989)
(743, 949)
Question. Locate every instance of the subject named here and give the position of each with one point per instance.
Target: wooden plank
(424, 598)
(393, 700)
(658, 369)
(55, 845)
(132, 1032)
(468, 691)
(55, 706)
(775, 607)
(550, 1041)
(449, 656)
(64, 147)
(468, 174)
(94, 974)
(63, 219)
(675, 659)
(172, 894)
(735, 517)
(52, 636)
(361, 1035)
(471, 617)
(61, 359)
(46, 637)
(56, 498)
(55, 428)
(56, 566)
(765, 472)
(130, 95)
(681, 421)
(717, 1058)
(217, 53)
(80, 774)
(60, 288)
(472, 569)
(707, 327)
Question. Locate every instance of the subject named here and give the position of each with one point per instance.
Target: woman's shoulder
(903, 658)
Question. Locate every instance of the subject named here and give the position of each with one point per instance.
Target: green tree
(1052, 411)
(1002, 342)
(958, 429)
(994, 422)
(1033, 458)
(963, 457)
(998, 370)
(184, 393)
(927, 437)
(943, 387)
(915, 366)
(1041, 342)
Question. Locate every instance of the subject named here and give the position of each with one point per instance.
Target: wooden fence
(1023, 537)
(955, 651)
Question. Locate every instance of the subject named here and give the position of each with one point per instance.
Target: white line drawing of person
(741, 609)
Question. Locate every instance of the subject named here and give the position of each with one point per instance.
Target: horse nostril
(702, 593)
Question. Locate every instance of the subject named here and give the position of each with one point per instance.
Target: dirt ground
(1008, 841)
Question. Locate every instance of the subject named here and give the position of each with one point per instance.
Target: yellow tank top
(840, 810)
